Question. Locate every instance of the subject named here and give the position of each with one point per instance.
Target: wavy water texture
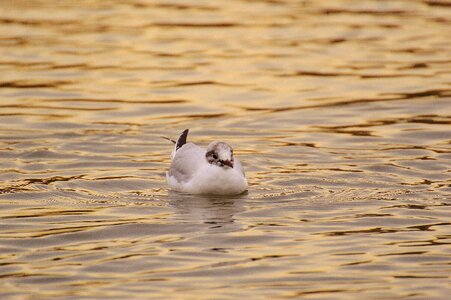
(340, 111)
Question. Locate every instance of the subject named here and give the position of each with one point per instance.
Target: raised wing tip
(182, 139)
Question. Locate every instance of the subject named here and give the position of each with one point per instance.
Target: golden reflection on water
(340, 111)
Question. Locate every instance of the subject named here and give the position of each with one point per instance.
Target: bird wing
(187, 160)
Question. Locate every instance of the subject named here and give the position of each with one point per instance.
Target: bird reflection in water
(218, 211)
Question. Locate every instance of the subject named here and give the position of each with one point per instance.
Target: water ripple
(340, 113)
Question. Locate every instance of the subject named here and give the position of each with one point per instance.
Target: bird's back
(187, 160)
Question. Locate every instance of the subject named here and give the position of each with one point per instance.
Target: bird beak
(227, 163)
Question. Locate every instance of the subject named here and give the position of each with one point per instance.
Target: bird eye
(215, 156)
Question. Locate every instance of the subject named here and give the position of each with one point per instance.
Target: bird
(214, 171)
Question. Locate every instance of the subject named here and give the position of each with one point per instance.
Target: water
(339, 110)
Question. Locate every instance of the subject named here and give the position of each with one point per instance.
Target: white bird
(196, 171)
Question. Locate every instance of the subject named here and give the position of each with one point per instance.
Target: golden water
(339, 110)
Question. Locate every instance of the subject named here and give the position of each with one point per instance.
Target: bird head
(220, 154)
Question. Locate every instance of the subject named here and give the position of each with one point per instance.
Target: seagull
(195, 171)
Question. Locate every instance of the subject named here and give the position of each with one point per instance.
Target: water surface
(339, 110)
